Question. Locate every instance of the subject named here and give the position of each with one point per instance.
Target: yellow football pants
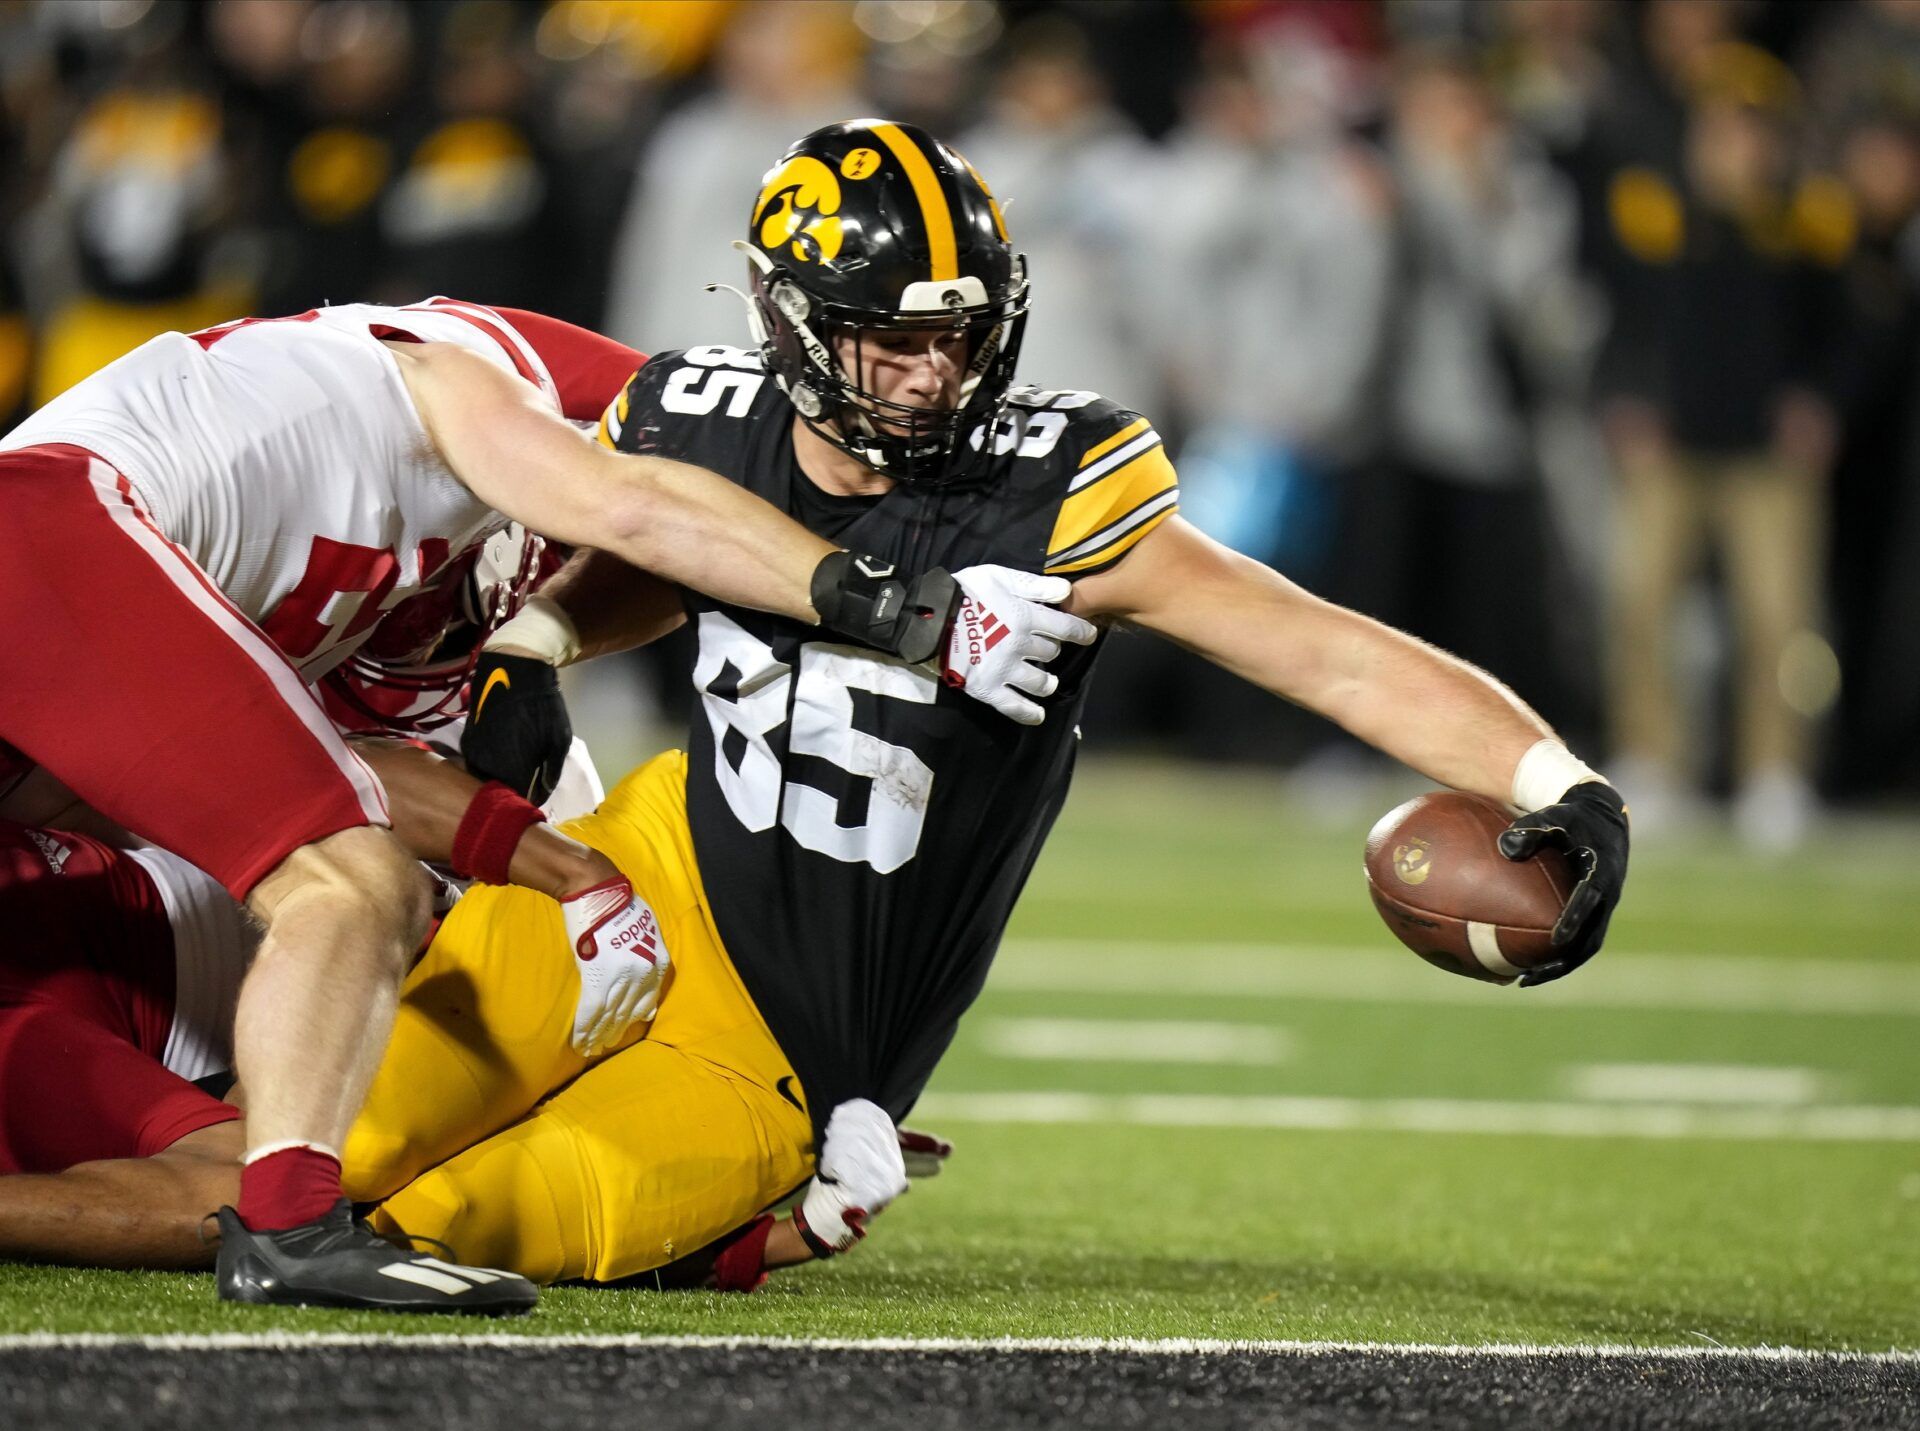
(652, 1152)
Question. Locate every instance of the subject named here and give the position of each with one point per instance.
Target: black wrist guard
(518, 731)
(865, 599)
(816, 1244)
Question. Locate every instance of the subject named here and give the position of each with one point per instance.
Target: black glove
(1590, 825)
(517, 728)
(866, 600)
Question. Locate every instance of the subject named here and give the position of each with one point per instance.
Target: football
(1437, 876)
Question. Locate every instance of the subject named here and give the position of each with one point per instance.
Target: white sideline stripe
(426, 1277)
(1694, 1083)
(1135, 1041)
(1856, 1123)
(1151, 1346)
(1718, 982)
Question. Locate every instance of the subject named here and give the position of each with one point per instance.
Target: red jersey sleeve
(588, 369)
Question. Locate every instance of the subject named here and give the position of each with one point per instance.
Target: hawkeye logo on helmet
(796, 211)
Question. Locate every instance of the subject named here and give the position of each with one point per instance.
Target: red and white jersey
(286, 459)
(213, 942)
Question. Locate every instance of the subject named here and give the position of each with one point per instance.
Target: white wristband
(1546, 772)
(544, 629)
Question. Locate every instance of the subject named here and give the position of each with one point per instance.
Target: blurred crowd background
(1579, 336)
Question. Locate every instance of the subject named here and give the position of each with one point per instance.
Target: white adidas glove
(1005, 630)
(859, 1173)
(622, 960)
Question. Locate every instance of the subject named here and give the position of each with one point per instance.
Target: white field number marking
(1723, 1083)
(1135, 1041)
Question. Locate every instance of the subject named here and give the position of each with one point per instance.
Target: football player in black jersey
(846, 834)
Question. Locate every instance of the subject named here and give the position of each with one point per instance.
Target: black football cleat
(335, 1261)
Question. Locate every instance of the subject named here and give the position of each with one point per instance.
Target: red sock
(287, 1187)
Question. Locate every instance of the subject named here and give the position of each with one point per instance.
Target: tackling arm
(428, 797)
(683, 522)
(442, 813)
(607, 605)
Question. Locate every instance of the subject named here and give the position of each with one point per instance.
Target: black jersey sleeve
(641, 393)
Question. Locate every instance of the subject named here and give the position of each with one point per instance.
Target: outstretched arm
(1445, 718)
(1434, 712)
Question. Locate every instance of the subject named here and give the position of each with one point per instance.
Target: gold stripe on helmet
(945, 251)
(993, 204)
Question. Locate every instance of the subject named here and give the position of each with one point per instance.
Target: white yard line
(1718, 982)
(1134, 1041)
(1733, 1084)
(1152, 1346)
(1837, 1123)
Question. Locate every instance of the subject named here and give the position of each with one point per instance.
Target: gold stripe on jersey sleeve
(1107, 547)
(943, 246)
(1104, 519)
(1101, 449)
(614, 420)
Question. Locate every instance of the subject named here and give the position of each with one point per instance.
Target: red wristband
(490, 832)
(743, 1266)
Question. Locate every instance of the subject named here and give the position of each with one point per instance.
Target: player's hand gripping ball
(1588, 823)
(1438, 877)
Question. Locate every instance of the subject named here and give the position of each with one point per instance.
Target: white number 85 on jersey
(756, 705)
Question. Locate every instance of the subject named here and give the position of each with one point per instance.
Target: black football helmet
(865, 226)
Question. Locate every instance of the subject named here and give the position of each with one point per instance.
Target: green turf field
(1206, 1096)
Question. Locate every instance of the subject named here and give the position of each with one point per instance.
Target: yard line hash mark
(1723, 983)
(1724, 1083)
(1135, 1041)
(1861, 1123)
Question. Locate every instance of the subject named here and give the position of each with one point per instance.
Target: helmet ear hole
(792, 301)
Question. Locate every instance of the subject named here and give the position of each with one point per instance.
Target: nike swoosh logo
(498, 678)
(786, 1092)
